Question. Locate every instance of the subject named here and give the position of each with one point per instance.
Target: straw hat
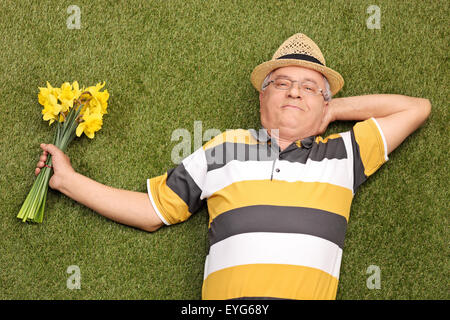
(298, 50)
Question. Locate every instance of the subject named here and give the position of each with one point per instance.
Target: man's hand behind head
(327, 118)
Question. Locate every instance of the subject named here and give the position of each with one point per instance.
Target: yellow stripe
(331, 136)
(169, 204)
(371, 146)
(270, 280)
(233, 136)
(318, 195)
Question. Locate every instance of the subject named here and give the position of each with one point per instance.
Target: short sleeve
(369, 150)
(177, 194)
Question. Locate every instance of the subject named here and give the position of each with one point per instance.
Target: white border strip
(386, 158)
(346, 136)
(154, 205)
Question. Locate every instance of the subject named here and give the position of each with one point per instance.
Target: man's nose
(294, 91)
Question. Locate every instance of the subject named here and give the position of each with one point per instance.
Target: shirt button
(277, 170)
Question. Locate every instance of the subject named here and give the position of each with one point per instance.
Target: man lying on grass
(278, 209)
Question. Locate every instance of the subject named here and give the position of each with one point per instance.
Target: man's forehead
(298, 72)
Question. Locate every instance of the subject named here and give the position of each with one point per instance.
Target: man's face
(294, 114)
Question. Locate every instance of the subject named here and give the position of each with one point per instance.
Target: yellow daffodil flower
(66, 97)
(51, 109)
(45, 92)
(76, 90)
(92, 122)
(99, 99)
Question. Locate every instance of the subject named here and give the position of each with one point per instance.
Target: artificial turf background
(169, 63)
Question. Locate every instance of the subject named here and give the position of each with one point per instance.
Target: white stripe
(274, 248)
(195, 165)
(154, 205)
(333, 171)
(382, 137)
(347, 138)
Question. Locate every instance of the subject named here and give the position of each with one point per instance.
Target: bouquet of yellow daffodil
(75, 112)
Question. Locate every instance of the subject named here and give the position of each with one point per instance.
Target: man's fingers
(49, 148)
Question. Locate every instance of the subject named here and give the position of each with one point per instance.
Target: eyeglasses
(307, 88)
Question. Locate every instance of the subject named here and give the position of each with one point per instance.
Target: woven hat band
(300, 57)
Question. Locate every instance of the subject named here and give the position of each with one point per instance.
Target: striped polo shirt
(277, 219)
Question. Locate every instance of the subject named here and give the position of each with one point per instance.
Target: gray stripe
(262, 218)
(180, 181)
(359, 177)
(332, 149)
(220, 155)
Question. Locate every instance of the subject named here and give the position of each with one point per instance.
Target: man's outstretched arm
(127, 207)
(397, 115)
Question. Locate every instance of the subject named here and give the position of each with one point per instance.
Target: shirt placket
(276, 161)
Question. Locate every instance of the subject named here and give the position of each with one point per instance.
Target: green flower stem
(42, 191)
(36, 199)
(69, 133)
(25, 210)
(40, 214)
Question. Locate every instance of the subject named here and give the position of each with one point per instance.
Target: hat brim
(261, 71)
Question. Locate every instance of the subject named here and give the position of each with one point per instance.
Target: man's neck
(282, 141)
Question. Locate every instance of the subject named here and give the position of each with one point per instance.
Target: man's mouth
(291, 106)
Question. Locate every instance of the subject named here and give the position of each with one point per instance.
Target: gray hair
(327, 93)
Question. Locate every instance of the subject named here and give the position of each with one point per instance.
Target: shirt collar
(307, 142)
(263, 136)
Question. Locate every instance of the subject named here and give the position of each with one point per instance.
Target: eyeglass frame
(292, 84)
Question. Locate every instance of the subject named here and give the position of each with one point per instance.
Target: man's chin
(293, 122)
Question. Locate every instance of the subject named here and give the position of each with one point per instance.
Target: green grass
(170, 63)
